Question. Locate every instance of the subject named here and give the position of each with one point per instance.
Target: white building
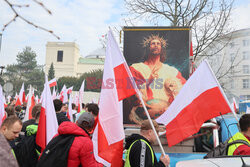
(67, 61)
(232, 64)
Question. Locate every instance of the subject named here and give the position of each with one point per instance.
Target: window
(245, 83)
(246, 55)
(59, 56)
(245, 69)
(246, 42)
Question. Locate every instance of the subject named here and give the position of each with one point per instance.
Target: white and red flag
(54, 93)
(200, 99)
(64, 95)
(22, 94)
(70, 110)
(30, 104)
(2, 111)
(48, 124)
(107, 140)
(81, 93)
(69, 90)
(52, 82)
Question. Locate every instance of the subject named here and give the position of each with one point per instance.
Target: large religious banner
(158, 58)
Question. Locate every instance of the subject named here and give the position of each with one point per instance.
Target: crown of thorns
(146, 41)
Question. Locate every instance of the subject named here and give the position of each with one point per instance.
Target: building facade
(231, 64)
(67, 61)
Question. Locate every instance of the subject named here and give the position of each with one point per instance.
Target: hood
(71, 128)
(130, 139)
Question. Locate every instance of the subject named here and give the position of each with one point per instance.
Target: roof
(91, 61)
(98, 53)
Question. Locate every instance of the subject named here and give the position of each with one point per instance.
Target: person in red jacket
(81, 151)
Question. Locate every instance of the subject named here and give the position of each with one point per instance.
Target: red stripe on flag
(123, 84)
(52, 84)
(23, 100)
(111, 153)
(31, 106)
(206, 106)
(41, 131)
(79, 108)
(18, 102)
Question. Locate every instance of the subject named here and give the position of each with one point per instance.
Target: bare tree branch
(18, 15)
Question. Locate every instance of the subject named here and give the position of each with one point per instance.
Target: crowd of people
(18, 139)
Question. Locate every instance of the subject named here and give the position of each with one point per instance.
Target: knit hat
(86, 117)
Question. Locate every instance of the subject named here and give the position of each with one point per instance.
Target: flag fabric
(109, 134)
(54, 93)
(22, 94)
(81, 93)
(200, 99)
(18, 102)
(48, 124)
(30, 104)
(69, 90)
(37, 99)
(52, 82)
(63, 95)
(248, 110)
(2, 111)
(70, 110)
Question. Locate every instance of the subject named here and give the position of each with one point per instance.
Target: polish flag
(69, 90)
(48, 124)
(2, 111)
(70, 111)
(54, 93)
(30, 104)
(18, 102)
(109, 134)
(199, 100)
(63, 95)
(22, 94)
(81, 92)
(52, 82)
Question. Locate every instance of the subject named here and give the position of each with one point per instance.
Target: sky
(80, 21)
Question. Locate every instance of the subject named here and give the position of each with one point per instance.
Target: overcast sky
(82, 21)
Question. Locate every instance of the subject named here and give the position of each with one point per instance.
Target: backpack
(25, 151)
(56, 152)
(222, 149)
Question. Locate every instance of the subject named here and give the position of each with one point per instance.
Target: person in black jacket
(139, 149)
(61, 117)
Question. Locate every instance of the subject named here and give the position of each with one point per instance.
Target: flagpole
(142, 102)
(234, 114)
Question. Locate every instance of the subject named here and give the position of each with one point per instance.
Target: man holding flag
(139, 149)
